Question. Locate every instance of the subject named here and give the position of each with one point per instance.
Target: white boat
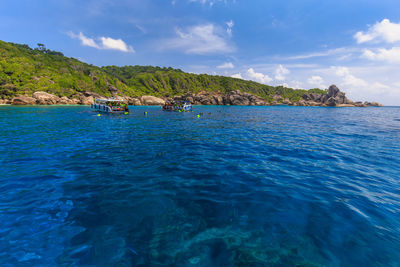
(109, 105)
(179, 106)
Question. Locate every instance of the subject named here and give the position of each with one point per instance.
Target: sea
(234, 186)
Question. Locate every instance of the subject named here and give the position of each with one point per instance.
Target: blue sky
(303, 44)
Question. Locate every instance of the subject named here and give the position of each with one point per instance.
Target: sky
(300, 44)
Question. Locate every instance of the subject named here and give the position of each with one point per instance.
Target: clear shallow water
(241, 186)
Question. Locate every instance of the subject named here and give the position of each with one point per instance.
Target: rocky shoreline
(333, 98)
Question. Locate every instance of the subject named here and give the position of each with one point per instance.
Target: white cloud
(258, 77)
(292, 84)
(317, 81)
(331, 52)
(230, 25)
(389, 55)
(348, 78)
(237, 75)
(364, 83)
(296, 84)
(115, 44)
(200, 39)
(226, 65)
(106, 43)
(385, 31)
(86, 41)
(281, 72)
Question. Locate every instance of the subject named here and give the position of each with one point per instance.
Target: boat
(110, 105)
(177, 106)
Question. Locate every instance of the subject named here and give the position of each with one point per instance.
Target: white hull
(105, 109)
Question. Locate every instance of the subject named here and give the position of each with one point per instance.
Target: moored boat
(178, 106)
(110, 105)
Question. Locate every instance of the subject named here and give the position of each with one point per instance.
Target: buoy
(198, 115)
(145, 113)
(98, 115)
(126, 113)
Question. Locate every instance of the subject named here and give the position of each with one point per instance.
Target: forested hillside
(24, 70)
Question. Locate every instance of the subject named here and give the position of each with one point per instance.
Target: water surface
(239, 186)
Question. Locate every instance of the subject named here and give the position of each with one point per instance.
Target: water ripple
(239, 186)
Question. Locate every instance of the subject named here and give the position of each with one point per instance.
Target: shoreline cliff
(333, 98)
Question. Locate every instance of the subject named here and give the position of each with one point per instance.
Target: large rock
(331, 102)
(333, 98)
(43, 98)
(219, 100)
(239, 100)
(132, 101)
(333, 90)
(136, 102)
(148, 100)
(372, 104)
(83, 100)
(23, 100)
(301, 102)
(231, 98)
(95, 95)
(75, 101)
(65, 101)
(190, 99)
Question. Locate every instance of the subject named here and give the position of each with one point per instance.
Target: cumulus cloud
(200, 39)
(384, 31)
(389, 55)
(348, 78)
(258, 76)
(115, 44)
(296, 84)
(281, 72)
(226, 65)
(237, 75)
(317, 81)
(106, 43)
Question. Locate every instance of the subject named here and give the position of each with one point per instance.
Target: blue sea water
(239, 186)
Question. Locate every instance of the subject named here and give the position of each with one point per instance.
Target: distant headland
(44, 77)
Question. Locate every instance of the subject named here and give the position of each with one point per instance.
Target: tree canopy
(24, 70)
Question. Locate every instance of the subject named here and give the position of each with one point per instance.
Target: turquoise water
(239, 186)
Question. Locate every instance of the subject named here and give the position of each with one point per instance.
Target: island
(41, 76)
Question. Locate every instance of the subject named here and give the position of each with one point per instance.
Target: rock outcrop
(23, 100)
(83, 100)
(148, 100)
(65, 101)
(231, 98)
(372, 104)
(333, 98)
(132, 101)
(43, 98)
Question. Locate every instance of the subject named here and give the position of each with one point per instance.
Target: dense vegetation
(24, 70)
